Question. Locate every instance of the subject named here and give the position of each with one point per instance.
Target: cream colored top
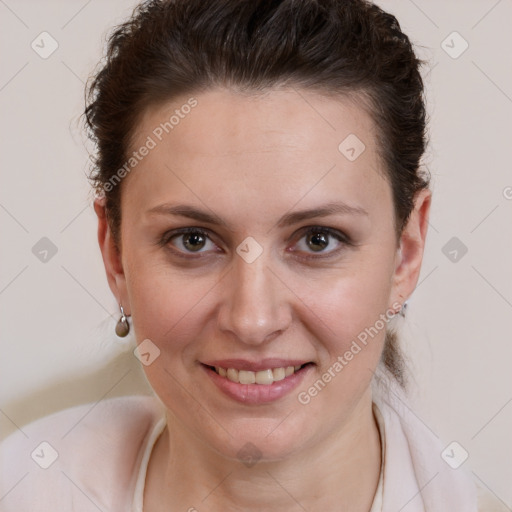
(95, 457)
(138, 495)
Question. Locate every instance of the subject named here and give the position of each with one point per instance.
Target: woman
(262, 218)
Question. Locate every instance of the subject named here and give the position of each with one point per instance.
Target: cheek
(349, 321)
(346, 302)
(347, 326)
(338, 304)
(165, 304)
(170, 310)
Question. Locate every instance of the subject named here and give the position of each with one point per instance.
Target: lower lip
(254, 394)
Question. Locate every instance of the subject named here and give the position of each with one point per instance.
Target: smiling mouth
(264, 377)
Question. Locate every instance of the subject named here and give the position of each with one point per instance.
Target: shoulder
(487, 502)
(86, 456)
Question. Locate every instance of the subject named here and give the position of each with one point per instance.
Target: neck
(339, 473)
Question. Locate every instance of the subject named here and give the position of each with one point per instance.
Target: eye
(321, 240)
(190, 240)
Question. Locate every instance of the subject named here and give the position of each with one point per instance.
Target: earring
(122, 327)
(402, 309)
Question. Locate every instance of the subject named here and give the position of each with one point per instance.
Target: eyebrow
(183, 210)
(324, 211)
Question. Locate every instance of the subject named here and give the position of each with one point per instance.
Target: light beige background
(58, 316)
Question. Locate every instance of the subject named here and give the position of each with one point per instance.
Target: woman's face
(289, 258)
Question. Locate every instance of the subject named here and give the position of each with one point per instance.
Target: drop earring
(402, 309)
(122, 327)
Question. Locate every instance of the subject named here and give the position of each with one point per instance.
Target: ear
(410, 252)
(111, 256)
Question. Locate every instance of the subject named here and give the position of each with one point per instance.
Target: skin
(250, 159)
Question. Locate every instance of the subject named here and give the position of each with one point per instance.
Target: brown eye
(321, 240)
(317, 241)
(194, 241)
(190, 240)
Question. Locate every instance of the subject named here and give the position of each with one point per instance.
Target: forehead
(280, 144)
(222, 118)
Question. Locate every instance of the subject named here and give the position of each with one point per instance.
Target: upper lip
(255, 366)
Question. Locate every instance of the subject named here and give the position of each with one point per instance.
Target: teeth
(264, 377)
(278, 373)
(232, 374)
(245, 377)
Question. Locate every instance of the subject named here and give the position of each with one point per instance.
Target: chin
(261, 439)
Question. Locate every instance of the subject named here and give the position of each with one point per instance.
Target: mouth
(265, 377)
(257, 383)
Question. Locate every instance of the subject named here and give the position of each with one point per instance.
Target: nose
(255, 308)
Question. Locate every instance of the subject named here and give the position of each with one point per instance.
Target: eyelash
(338, 235)
(333, 233)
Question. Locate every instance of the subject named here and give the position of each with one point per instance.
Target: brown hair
(338, 47)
